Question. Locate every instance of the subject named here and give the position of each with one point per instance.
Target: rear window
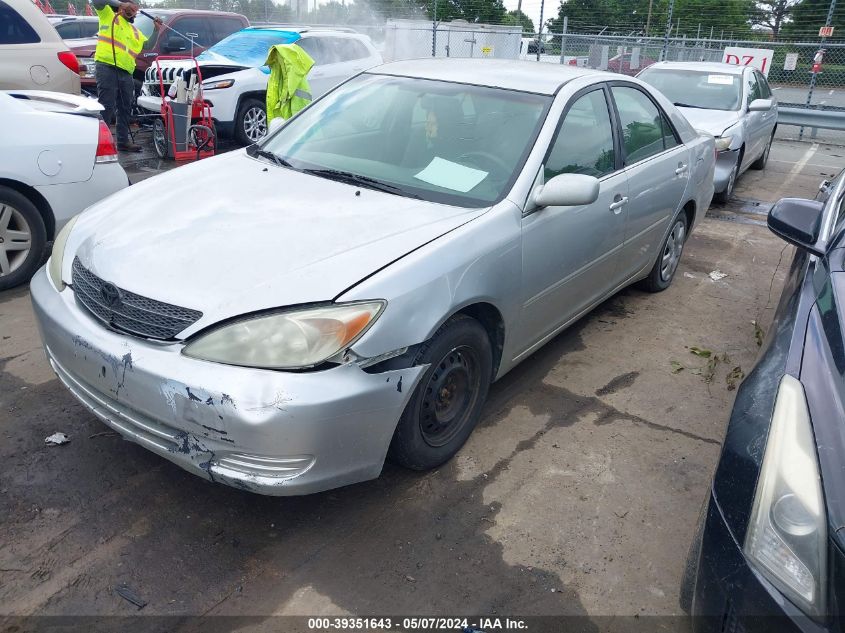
(14, 29)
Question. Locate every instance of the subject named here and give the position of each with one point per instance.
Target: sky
(531, 8)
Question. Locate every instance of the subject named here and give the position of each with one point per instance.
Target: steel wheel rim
(255, 123)
(449, 396)
(15, 239)
(672, 251)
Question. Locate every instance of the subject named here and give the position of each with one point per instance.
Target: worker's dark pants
(116, 92)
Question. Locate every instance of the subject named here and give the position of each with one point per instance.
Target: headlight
(54, 266)
(723, 143)
(787, 534)
(287, 340)
(217, 85)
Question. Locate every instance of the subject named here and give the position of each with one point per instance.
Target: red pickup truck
(205, 28)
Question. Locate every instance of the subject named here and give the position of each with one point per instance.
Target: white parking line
(796, 170)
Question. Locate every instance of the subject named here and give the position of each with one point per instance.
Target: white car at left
(57, 157)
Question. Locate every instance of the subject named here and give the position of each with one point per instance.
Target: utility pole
(540, 30)
(434, 31)
(648, 19)
(665, 51)
(819, 54)
(563, 38)
(519, 7)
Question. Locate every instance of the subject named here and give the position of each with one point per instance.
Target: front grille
(131, 313)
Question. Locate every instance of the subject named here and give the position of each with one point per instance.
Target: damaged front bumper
(270, 432)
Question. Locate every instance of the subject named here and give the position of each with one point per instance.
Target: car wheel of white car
(22, 238)
(447, 403)
(251, 124)
(666, 266)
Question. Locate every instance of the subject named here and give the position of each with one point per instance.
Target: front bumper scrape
(270, 432)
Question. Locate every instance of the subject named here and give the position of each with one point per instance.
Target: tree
(518, 18)
(809, 15)
(773, 14)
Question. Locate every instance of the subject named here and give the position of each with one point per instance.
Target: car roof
(298, 28)
(713, 67)
(525, 76)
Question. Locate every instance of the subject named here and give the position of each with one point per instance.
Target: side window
(314, 47)
(669, 138)
(752, 87)
(196, 28)
(584, 143)
(642, 124)
(351, 49)
(68, 30)
(14, 29)
(89, 28)
(765, 90)
(223, 27)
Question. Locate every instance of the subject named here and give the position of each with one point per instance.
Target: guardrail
(825, 117)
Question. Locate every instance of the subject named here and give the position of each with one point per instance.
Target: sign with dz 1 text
(759, 58)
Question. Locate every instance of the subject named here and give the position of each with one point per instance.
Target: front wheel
(722, 197)
(251, 122)
(447, 403)
(663, 271)
(161, 140)
(760, 163)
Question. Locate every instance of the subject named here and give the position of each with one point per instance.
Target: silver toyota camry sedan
(284, 317)
(733, 103)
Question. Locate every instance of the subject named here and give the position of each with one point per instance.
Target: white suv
(235, 78)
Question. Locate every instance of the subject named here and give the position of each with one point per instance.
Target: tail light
(69, 60)
(106, 150)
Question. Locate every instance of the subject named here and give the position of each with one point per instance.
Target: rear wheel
(664, 268)
(251, 122)
(161, 140)
(22, 238)
(447, 403)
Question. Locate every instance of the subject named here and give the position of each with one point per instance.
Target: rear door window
(195, 28)
(350, 49)
(316, 49)
(14, 29)
(68, 30)
(641, 122)
(223, 27)
(88, 28)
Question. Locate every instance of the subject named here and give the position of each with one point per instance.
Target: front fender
(479, 262)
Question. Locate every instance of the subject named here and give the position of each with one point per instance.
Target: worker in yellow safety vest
(119, 42)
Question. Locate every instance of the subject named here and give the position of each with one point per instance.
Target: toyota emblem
(111, 295)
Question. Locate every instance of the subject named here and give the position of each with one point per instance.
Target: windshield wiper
(361, 181)
(254, 150)
(689, 105)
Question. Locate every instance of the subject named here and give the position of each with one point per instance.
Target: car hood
(233, 235)
(711, 121)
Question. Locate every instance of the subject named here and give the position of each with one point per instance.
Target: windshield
(710, 90)
(443, 142)
(248, 47)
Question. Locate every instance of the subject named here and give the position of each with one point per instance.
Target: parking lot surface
(577, 494)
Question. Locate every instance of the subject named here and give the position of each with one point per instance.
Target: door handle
(680, 170)
(617, 205)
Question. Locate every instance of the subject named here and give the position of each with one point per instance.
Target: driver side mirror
(175, 44)
(799, 222)
(760, 105)
(567, 190)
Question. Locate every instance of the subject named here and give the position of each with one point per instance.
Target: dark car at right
(769, 550)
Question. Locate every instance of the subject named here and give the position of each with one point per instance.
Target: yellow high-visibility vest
(117, 31)
(287, 89)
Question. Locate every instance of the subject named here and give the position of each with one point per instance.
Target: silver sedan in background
(733, 103)
(284, 317)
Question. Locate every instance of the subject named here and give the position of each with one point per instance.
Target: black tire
(760, 163)
(722, 197)
(663, 272)
(18, 215)
(243, 127)
(687, 589)
(161, 139)
(447, 403)
(205, 136)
